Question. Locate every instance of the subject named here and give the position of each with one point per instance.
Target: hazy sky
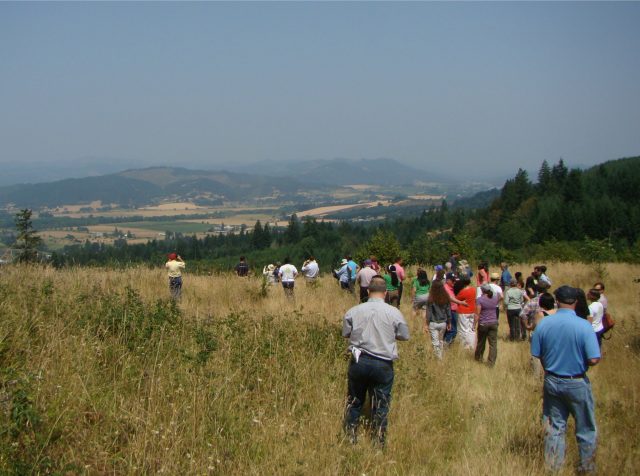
(457, 86)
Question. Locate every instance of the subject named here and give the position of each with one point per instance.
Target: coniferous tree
(544, 177)
(27, 241)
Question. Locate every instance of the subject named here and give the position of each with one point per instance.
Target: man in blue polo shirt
(566, 346)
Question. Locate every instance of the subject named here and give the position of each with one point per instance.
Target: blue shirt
(354, 269)
(343, 273)
(565, 342)
(506, 278)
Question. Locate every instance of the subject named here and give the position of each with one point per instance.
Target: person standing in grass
(401, 275)
(567, 346)
(363, 278)
(174, 265)
(287, 274)
(420, 291)
(466, 313)
(599, 286)
(596, 312)
(353, 271)
(310, 270)
(513, 303)
(391, 278)
(487, 324)
(343, 274)
(372, 329)
(242, 268)
(438, 316)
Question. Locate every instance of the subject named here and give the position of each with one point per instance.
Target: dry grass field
(100, 374)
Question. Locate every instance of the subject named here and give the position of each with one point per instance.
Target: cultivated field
(101, 375)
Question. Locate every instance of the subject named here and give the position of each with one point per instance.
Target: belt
(569, 377)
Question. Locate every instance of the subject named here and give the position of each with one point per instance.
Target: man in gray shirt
(372, 328)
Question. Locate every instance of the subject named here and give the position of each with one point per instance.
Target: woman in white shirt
(596, 313)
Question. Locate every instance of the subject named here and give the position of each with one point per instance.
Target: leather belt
(569, 377)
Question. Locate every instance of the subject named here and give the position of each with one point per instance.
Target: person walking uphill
(372, 329)
(174, 265)
(566, 346)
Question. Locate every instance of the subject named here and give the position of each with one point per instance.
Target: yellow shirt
(174, 268)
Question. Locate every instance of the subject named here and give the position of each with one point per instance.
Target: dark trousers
(175, 287)
(364, 294)
(399, 292)
(515, 323)
(288, 288)
(489, 332)
(449, 336)
(375, 376)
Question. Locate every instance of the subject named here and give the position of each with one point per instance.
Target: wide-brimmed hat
(344, 261)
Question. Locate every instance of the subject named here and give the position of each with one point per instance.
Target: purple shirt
(487, 309)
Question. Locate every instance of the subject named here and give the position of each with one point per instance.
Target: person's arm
(592, 362)
(347, 325)
(402, 330)
(476, 317)
(457, 301)
(449, 317)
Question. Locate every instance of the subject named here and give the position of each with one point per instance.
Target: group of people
(565, 332)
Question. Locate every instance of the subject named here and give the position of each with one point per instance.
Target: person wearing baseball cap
(567, 346)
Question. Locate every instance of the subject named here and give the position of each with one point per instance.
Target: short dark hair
(546, 301)
(377, 284)
(599, 285)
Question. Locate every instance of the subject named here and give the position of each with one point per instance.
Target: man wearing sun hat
(566, 346)
(343, 274)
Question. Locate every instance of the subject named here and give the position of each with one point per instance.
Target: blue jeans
(375, 376)
(449, 336)
(564, 397)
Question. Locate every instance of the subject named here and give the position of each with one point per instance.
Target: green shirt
(420, 290)
(390, 287)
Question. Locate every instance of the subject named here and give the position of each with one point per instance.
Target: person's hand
(449, 326)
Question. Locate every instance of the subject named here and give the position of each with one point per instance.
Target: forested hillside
(576, 215)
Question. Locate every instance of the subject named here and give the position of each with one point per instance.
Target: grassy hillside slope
(101, 374)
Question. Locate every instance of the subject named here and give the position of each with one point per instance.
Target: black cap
(451, 276)
(566, 294)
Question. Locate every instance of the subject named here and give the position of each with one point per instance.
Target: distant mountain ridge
(277, 180)
(138, 187)
(344, 171)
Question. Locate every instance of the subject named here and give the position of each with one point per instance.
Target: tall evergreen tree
(27, 241)
(292, 233)
(544, 177)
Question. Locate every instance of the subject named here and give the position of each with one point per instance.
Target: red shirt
(468, 295)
